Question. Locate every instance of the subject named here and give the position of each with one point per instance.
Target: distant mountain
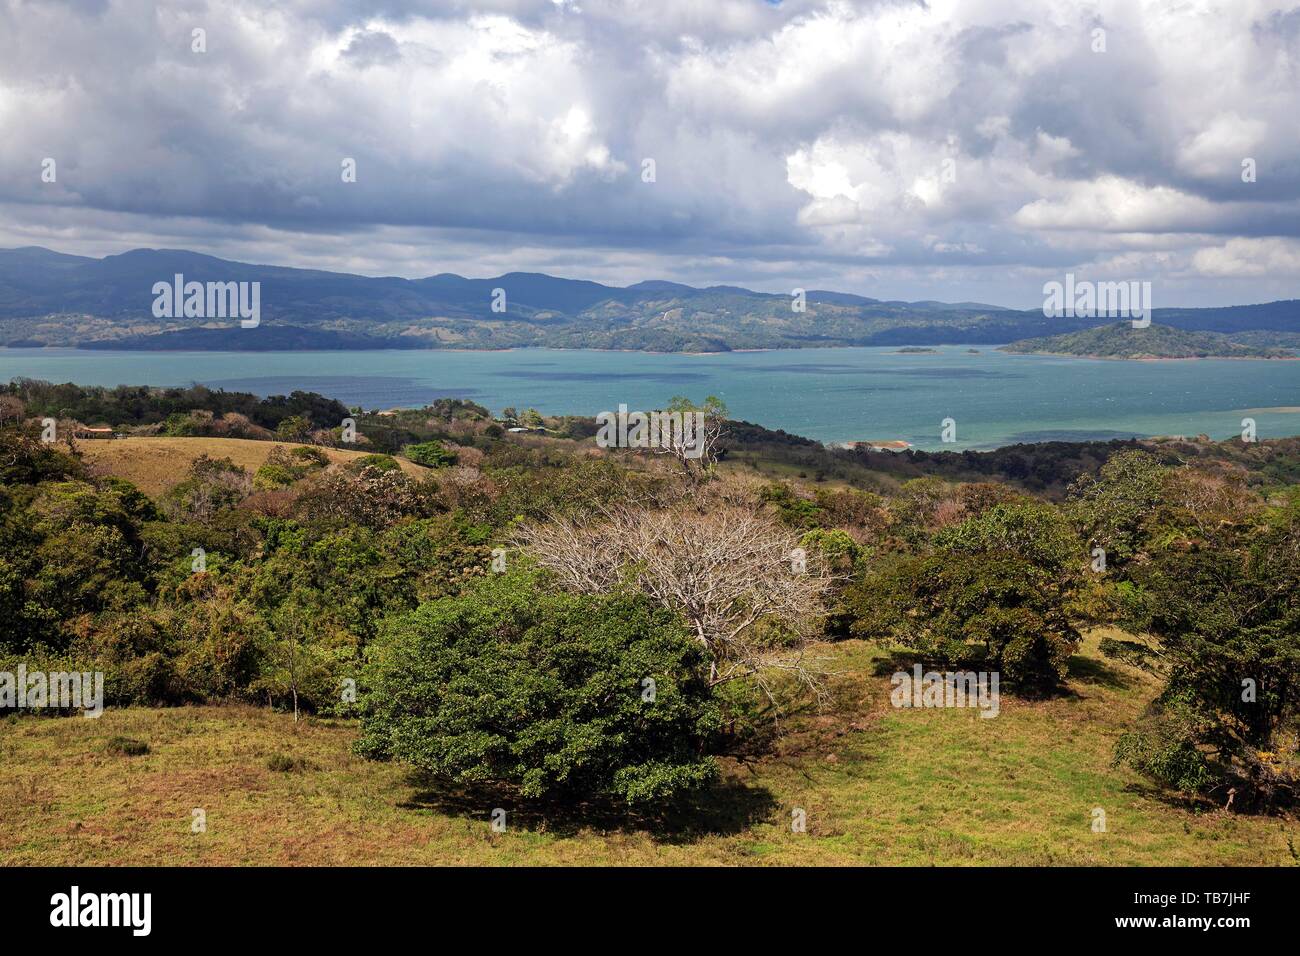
(48, 298)
(1123, 341)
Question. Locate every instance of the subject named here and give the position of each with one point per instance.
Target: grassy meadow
(155, 464)
(879, 786)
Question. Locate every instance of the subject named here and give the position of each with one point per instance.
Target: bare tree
(11, 409)
(746, 590)
(695, 448)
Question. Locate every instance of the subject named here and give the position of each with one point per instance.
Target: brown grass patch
(155, 464)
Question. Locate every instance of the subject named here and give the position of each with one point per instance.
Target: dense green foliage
(431, 454)
(1220, 596)
(554, 694)
(143, 405)
(996, 592)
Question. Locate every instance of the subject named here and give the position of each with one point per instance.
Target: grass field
(155, 464)
(879, 786)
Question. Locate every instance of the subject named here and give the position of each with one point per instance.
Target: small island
(1123, 341)
(916, 350)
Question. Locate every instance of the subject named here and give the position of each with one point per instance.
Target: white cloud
(1111, 203)
(1243, 258)
(809, 135)
(1217, 150)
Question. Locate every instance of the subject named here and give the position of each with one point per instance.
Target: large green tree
(1220, 598)
(999, 590)
(548, 694)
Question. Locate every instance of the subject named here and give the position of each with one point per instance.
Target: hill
(1122, 341)
(47, 298)
(155, 464)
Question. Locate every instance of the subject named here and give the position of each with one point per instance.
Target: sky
(952, 150)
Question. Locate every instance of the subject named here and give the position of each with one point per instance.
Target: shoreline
(1161, 358)
(892, 348)
(507, 348)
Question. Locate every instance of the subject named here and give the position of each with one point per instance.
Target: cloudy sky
(955, 149)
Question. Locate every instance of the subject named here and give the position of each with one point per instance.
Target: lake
(826, 394)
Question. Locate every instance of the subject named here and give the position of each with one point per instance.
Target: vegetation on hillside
(1122, 341)
(51, 299)
(539, 620)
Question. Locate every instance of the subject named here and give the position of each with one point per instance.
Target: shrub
(283, 467)
(273, 477)
(310, 456)
(431, 454)
(378, 462)
(969, 610)
(1164, 744)
(182, 425)
(508, 685)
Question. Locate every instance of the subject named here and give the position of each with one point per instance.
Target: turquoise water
(826, 394)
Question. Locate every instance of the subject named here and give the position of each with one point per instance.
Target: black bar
(354, 906)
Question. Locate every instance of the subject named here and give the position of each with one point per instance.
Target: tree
(12, 409)
(293, 428)
(1220, 599)
(699, 455)
(531, 418)
(298, 661)
(551, 694)
(368, 497)
(26, 460)
(213, 484)
(738, 579)
(997, 590)
(1115, 509)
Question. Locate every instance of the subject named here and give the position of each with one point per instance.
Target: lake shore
(1161, 358)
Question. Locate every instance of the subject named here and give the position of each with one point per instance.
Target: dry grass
(879, 787)
(155, 464)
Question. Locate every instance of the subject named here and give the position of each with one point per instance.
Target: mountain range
(49, 298)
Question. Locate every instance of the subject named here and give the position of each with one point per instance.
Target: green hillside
(1122, 341)
(49, 299)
